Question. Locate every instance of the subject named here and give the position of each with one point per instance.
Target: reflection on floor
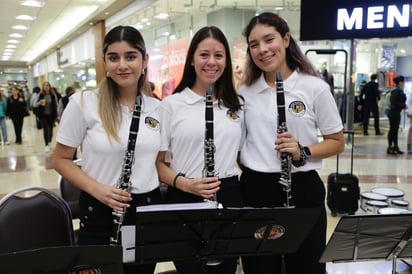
(29, 165)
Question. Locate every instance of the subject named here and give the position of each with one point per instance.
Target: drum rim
(401, 202)
(382, 198)
(377, 203)
(394, 209)
(402, 193)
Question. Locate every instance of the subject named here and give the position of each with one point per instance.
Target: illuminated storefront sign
(342, 19)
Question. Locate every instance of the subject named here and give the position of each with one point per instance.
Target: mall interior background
(167, 39)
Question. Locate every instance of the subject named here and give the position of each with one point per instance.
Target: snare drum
(393, 210)
(390, 192)
(400, 203)
(373, 206)
(370, 196)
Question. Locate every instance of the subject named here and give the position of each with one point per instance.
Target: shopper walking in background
(397, 104)
(47, 110)
(3, 111)
(369, 98)
(64, 101)
(310, 109)
(33, 99)
(409, 140)
(16, 111)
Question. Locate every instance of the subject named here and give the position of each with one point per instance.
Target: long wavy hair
(224, 86)
(109, 105)
(295, 59)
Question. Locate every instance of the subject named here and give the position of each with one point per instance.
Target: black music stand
(370, 237)
(102, 259)
(208, 234)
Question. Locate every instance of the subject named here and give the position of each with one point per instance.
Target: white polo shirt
(102, 159)
(183, 133)
(310, 108)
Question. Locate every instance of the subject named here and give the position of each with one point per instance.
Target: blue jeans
(3, 129)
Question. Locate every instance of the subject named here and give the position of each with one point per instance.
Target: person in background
(3, 111)
(409, 113)
(208, 64)
(16, 110)
(99, 121)
(46, 105)
(152, 87)
(64, 101)
(397, 104)
(370, 96)
(62, 105)
(33, 99)
(310, 108)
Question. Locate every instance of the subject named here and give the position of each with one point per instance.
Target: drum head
(373, 196)
(389, 192)
(402, 203)
(393, 210)
(375, 203)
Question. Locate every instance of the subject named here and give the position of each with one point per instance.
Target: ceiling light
(7, 54)
(16, 35)
(162, 16)
(9, 50)
(25, 17)
(20, 27)
(67, 22)
(13, 41)
(32, 3)
(10, 46)
(138, 26)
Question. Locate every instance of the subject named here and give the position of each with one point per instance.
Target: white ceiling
(55, 15)
(61, 15)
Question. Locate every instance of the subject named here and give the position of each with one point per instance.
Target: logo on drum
(270, 232)
(85, 269)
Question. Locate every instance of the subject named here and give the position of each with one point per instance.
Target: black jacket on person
(16, 107)
(370, 94)
(40, 108)
(397, 100)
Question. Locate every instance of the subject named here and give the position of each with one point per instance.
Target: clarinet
(128, 161)
(285, 158)
(209, 145)
(209, 154)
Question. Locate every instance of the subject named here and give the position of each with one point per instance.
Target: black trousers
(229, 195)
(18, 126)
(394, 121)
(263, 190)
(47, 123)
(96, 223)
(366, 114)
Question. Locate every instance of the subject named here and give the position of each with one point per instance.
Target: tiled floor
(28, 165)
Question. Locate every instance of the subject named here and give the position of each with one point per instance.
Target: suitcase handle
(351, 135)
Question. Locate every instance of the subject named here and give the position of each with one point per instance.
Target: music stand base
(394, 265)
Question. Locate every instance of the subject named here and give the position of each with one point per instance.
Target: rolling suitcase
(343, 190)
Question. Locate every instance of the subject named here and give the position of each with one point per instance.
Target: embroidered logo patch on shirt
(297, 108)
(232, 115)
(152, 123)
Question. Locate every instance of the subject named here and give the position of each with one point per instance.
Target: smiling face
(209, 62)
(124, 64)
(268, 48)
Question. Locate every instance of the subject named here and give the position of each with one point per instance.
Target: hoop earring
(107, 74)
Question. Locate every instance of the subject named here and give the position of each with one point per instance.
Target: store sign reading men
(347, 19)
(374, 17)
